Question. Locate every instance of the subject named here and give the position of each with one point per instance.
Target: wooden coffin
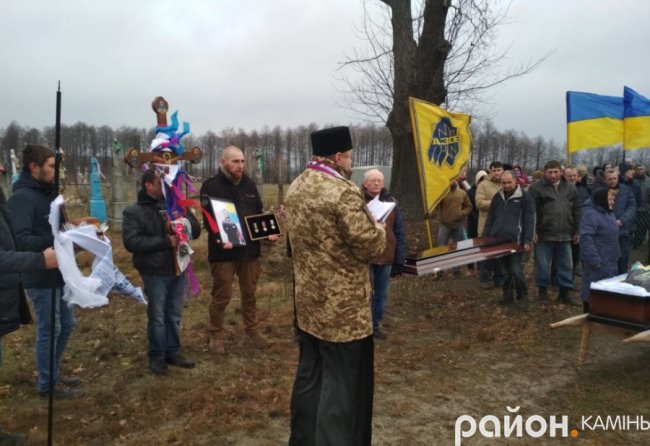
(608, 305)
(457, 254)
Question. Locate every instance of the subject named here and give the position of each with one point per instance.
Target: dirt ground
(451, 351)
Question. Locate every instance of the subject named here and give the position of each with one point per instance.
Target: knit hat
(479, 176)
(329, 141)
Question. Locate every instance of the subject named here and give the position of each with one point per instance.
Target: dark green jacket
(557, 211)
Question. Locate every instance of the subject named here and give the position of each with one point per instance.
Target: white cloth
(91, 291)
(616, 285)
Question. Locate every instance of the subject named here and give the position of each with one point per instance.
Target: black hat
(327, 142)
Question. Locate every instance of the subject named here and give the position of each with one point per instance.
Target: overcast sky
(250, 63)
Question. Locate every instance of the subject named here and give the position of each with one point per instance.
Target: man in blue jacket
(511, 218)
(625, 213)
(33, 192)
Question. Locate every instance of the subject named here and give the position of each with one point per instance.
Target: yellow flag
(443, 146)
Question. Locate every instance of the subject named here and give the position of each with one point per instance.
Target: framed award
(262, 226)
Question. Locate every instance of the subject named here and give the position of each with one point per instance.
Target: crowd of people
(343, 259)
(574, 225)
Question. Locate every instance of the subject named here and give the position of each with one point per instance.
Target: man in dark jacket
(511, 218)
(643, 210)
(229, 259)
(572, 176)
(557, 226)
(13, 304)
(625, 213)
(391, 262)
(145, 234)
(30, 206)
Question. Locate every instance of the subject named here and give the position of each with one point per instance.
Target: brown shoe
(256, 340)
(217, 345)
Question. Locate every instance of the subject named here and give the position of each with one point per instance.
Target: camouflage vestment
(333, 238)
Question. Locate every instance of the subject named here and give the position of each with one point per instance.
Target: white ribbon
(91, 291)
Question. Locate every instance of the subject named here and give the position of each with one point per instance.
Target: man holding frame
(227, 259)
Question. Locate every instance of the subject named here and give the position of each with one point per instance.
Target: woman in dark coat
(598, 240)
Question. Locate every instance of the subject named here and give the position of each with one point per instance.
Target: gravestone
(97, 203)
(118, 196)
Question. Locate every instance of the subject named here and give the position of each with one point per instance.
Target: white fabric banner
(91, 291)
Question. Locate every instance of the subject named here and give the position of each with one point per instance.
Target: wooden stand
(592, 324)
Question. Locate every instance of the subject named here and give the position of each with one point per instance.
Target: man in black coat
(557, 223)
(13, 304)
(145, 234)
(511, 218)
(228, 259)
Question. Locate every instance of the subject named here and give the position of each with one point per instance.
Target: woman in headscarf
(598, 240)
(520, 176)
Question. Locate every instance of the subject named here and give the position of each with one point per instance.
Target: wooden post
(584, 343)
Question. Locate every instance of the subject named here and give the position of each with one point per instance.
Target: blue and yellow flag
(636, 120)
(593, 120)
(442, 144)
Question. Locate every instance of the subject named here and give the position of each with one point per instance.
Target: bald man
(228, 260)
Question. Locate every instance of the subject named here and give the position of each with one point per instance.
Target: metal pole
(57, 167)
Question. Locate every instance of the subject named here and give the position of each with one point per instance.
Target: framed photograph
(261, 226)
(230, 228)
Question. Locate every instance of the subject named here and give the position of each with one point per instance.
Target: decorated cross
(166, 147)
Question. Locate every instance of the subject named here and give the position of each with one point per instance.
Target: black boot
(507, 296)
(522, 297)
(565, 298)
(542, 295)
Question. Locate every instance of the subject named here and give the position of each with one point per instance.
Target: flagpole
(566, 99)
(57, 167)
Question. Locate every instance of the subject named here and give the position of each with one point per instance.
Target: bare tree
(443, 55)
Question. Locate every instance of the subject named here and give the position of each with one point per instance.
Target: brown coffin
(458, 254)
(619, 306)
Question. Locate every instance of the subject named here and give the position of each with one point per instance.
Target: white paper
(380, 209)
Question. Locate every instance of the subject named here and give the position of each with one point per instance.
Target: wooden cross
(133, 157)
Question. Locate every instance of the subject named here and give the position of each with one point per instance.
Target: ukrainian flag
(636, 120)
(443, 146)
(593, 120)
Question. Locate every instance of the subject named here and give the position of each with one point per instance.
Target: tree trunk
(405, 182)
(419, 70)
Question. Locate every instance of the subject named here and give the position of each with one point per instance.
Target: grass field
(451, 350)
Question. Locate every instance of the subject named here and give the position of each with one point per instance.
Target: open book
(380, 209)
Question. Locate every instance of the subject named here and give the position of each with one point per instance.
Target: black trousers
(331, 403)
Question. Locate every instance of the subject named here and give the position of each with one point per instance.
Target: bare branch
(472, 66)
